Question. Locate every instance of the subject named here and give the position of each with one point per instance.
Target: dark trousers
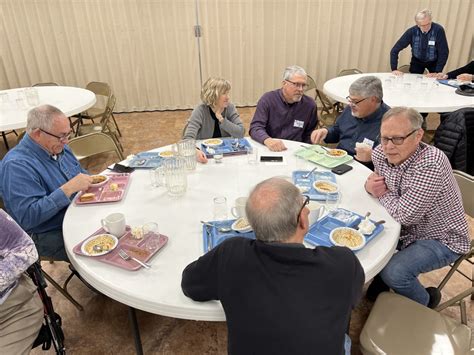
(418, 67)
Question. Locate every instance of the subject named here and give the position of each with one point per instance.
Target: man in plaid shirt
(414, 182)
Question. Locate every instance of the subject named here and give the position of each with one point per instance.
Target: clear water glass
(176, 178)
(187, 150)
(220, 208)
(252, 155)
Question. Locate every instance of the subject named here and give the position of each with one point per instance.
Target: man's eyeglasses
(396, 140)
(305, 203)
(355, 103)
(60, 138)
(298, 85)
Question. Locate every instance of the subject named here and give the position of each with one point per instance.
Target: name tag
(298, 124)
(431, 43)
(369, 142)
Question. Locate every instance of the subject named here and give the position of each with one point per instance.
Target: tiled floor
(103, 327)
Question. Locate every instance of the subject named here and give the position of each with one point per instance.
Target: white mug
(114, 224)
(239, 209)
(316, 210)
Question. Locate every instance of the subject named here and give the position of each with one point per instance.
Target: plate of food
(241, 225)
(212, 142)
(325, 187)
(166, 154)
(347, 237)
(98, 245)
(336, 153)
(99, 180)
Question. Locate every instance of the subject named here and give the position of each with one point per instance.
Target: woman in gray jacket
(215, 116)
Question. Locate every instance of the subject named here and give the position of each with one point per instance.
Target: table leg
(132, 316)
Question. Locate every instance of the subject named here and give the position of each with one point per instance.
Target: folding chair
(351, 71)
(92, 144)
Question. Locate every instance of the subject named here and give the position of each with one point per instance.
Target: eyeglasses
(355, 103)
(396, 140)
(298, 85)
(305, 203)
(60, 138)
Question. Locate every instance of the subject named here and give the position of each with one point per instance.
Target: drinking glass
(32, 97)
(332, 201)
(187, 150)
(157, 177)
(220, 208)
(151, 234)
(175, 176)
(252, 155)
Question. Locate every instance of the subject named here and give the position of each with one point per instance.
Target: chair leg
(5, 140)
(116, 125)
(62, 291)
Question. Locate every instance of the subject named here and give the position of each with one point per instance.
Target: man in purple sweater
(285, 113)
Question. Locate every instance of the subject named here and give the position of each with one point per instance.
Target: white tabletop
(412, 90)
(70, 100)
(158, 290)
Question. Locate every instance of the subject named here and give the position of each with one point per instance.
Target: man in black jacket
(278, 296)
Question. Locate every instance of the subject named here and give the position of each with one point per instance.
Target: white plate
(335, 231)
(110, 237)
(102, 182)
(322, 191)
(241, 230)
(336, 156)
(213, 142)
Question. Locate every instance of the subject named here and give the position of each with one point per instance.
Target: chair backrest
(105, 120)
(92, 144)
(311, 86)
(46, 84)
(466, 185)
(350, 71)
(99, 88)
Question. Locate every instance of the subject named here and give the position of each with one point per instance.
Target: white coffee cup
(315, 212)
(239, 209)
(114, 224)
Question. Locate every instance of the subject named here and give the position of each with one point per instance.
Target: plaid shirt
(424, 198)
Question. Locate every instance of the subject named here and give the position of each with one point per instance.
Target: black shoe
(376, 288)
(435, 297)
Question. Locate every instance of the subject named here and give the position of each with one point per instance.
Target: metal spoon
(219, 229)
(97, 248)
(308, 174)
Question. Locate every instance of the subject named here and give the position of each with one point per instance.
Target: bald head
(272, 210)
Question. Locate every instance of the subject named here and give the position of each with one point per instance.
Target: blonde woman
(216, 116)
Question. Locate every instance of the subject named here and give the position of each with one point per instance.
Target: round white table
(158, 290)
(411, 90)
(70, 100)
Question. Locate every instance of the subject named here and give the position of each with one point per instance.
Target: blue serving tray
(318, 233)
(146, 160)
(216, 237)
(298, 179)
(229, 146)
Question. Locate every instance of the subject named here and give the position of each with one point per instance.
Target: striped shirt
(424, 198)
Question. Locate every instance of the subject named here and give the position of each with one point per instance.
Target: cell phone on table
(271, 158)
(119, 168)
(341, 169)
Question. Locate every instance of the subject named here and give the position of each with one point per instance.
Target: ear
(35, 134)
(304, 219)
(419, 135)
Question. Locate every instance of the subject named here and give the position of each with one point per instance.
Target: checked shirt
(424, 198)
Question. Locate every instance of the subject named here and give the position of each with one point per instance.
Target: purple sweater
(17, 253)
(274, 118)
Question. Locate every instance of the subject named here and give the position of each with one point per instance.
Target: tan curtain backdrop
(147, 51)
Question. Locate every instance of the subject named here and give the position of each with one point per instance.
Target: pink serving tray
(133, 247)
(103, 193)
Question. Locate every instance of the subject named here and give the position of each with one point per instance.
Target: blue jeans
(401, 272)
(50, 244)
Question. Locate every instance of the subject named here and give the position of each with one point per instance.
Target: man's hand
(275, 145)
(375, 185)
(464, 77)
(318, 135)
(80, 182)
(363, 154)
(200, 156)
(397, 72)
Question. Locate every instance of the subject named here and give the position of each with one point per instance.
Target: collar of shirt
(282, 97)
(289, 245)
(374, 115)
(39, 150)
